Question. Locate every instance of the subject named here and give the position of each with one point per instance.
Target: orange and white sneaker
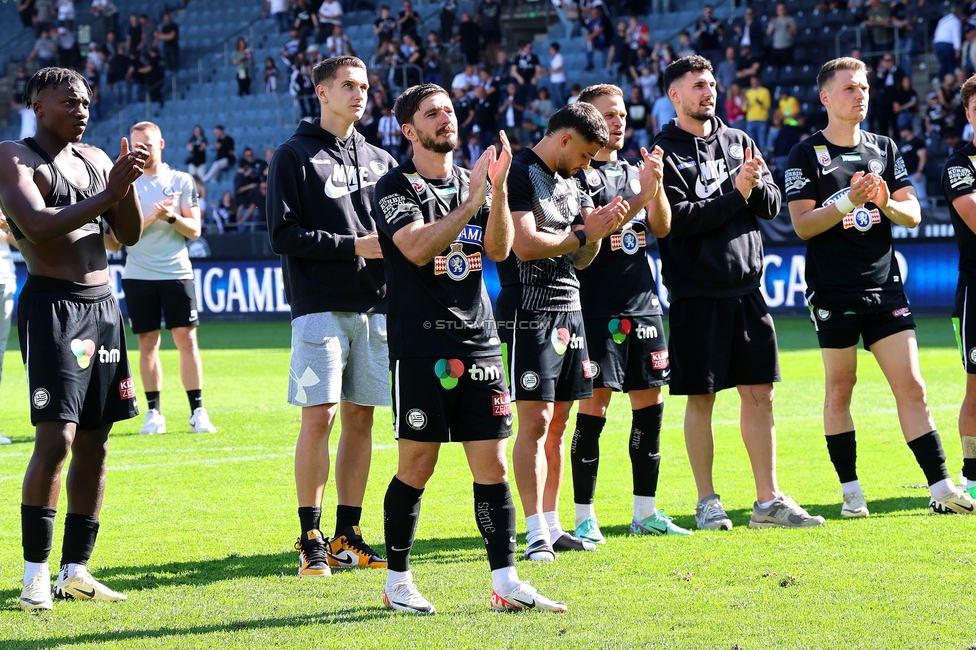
(313, 555)
(524, 596)
(350, 551)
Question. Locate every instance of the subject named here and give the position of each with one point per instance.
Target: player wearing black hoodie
(320, 195)
(721, 332)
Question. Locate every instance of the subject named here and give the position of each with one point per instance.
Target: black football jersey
(851, 266)
(440, 309)
(959, 179)
(618, 282)
(548, 284)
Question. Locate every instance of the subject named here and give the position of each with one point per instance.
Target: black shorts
(148, 300)
(838, 330)
(545, 355)
(73, 346)
(628, 353)
(450, 400)
(964, 324)
(719, 343)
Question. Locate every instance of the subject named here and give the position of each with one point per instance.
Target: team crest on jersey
(456, 264)
(861, 219)
(629, 241)
(735, 151)
(959, 177)
(823, 314)
(378, 167)
(823, 156)
(416, 182)
(635, 186)
(972, 354)
(592, 176)
(876, 166)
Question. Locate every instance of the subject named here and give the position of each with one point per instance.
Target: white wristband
(844, 205)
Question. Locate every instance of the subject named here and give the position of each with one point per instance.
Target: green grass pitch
(198, 530)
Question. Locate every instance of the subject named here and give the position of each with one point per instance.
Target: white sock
(71, 569)
(31, 569)
(584, 511)
(394, 578)
(555, 529)
(504, 580)
(969, 483)
(766, 504)
(850, 486)
(535, 529)
(644, 507)
(942, 489)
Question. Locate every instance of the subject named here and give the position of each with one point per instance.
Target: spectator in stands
(488, 18)
(148, 34)
(782, 29)
(467, 79)
(169, 35)
(934, 117)
(92, 76)
(66, 14)
(468, 39)
(271, 75)
(619, 55)
(409, 21)
(947, 40)
(750, 33)
(877, 21)
(45, 50)
(68, 52)
(904, 105)
(662, 112)
(447, 17)
(708, 35)
(463, 111)
(885, 82)
(18, 102)
(133, 77)
(542, 108)
(685, 48)
(301, 87)
(484, 117)
(433, 59)
(557, 75)
(390, 134)
(225, 213)
(280, 12)
(328, 16)
(413, 56)
(250, 172)
(242, 59)
(725, 76)
(792, 131)
(596, 39)
(664, 55)
(133, 38)
(303, 19)
(915, 155)
(638, 118)
(758, 106)
(25, 9)
(568, 13)
(196, 159)
(735, 107)
(748, 64)
(292, 46)
(338, 44)
(118, 68)
(385, 26)
(574, 92)
(648, 83)
(153, 76)
(509, 114)
(501, 72)
(638, 34)
(905, 16)
(967, 54)
(526, 71)
(224, 147)
(106, 15)
(252, 215)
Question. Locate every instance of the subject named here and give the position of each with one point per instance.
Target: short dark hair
(582, 118)
(831, 67)
(408, 103)
(326, 70)
(599, 90)
(52, 78)
(684, 65)
(555, 45)
(219, 126)
(968, 90)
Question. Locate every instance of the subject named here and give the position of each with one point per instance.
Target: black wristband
(171, 220)
(581, 236)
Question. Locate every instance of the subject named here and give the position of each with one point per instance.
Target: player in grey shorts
(158, 281)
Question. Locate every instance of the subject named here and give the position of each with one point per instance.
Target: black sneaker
(350, 551)
(312, 555)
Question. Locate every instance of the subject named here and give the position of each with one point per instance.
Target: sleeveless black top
(63, 192)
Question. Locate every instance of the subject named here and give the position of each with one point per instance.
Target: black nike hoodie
(714, 249)
(320, 198)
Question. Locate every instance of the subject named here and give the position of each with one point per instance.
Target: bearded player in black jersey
(624, 328)
(56, 195)
(845, 187)
(959, 187)
(435, 222)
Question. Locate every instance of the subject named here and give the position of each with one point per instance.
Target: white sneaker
(854, 505)
(200, 422)
(155, 423)
(405, 597)
(4, 440)
(37, 593)
(524, 596)
(82, 586)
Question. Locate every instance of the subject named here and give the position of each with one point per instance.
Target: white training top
(8, 272)
(161, 252)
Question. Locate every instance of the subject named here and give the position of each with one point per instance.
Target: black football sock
(842, 449)
(152, 398)
(585, 456)
(495, 513)
(196, 399)
(930, 456)
(80, 532)
(310, 517)
(346, 517)
(37, 532)
(645, 449)
(969, 469)
(401, 512)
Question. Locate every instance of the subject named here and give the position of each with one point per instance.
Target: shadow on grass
(342, 615)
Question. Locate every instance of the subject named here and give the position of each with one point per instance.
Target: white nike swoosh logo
(399, 550)
(591, 460)
(345, 557)
(334, 192)
(824, 172)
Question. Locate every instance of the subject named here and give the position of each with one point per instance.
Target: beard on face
(439, 146)
(701, 114)
(563, 168)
